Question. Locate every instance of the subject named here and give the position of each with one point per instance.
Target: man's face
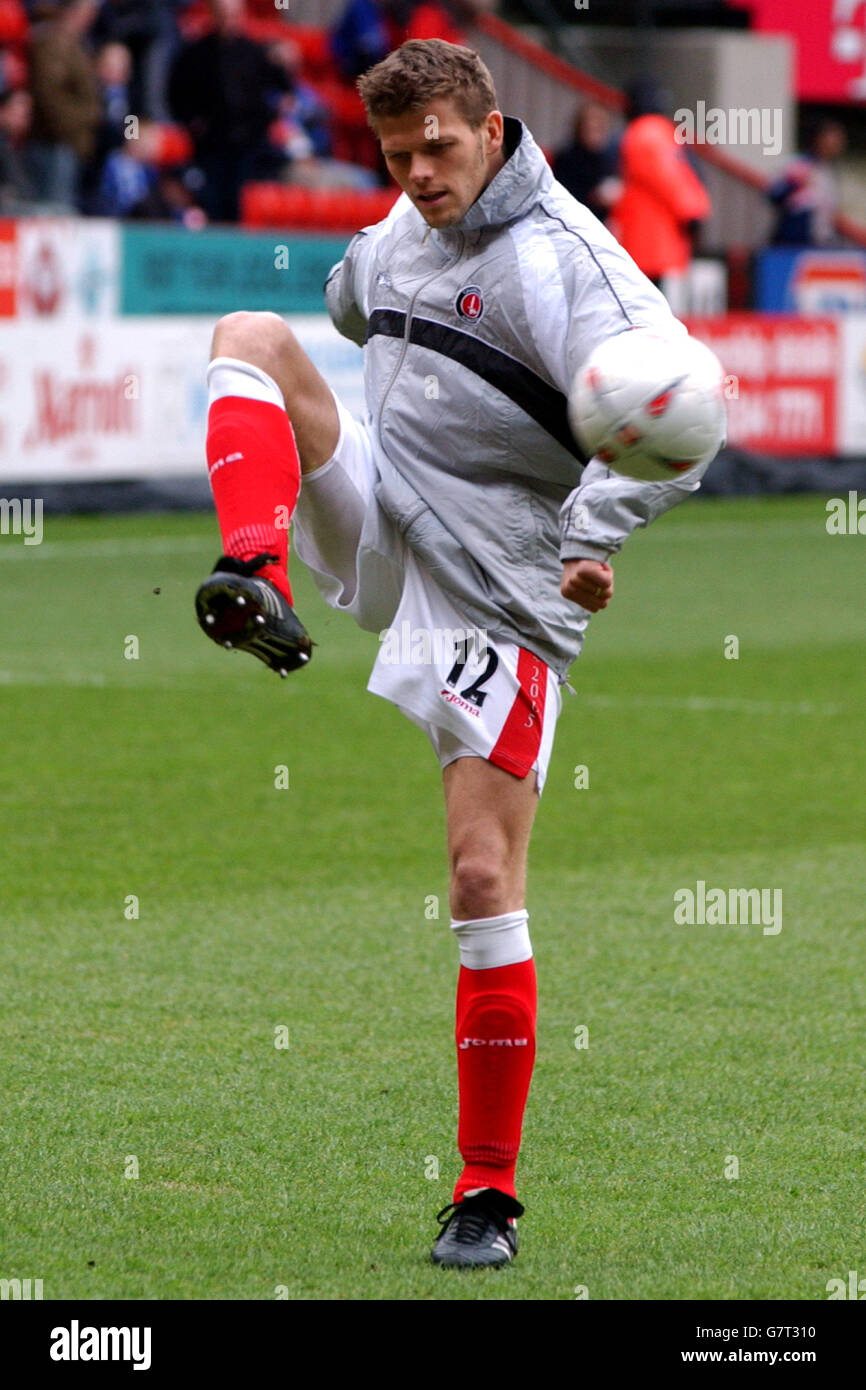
(830, 142)
(439, 160)
(16, 114)
(228, 16)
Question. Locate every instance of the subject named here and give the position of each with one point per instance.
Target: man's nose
(421, 169)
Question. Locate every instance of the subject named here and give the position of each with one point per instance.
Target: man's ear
(495, 127)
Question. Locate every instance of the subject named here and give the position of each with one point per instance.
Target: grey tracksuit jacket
(472, 336)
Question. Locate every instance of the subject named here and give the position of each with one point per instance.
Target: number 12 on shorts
(474, 692)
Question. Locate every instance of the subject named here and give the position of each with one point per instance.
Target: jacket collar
(523, 179)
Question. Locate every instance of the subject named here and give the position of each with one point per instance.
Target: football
(649, 406)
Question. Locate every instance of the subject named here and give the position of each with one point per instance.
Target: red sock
(255, 475)
(496, 1011)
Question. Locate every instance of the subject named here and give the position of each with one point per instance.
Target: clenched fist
(587, 582)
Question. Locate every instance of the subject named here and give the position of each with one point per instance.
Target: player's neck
(496, 163)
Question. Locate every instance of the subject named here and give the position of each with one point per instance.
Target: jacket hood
(523, 179)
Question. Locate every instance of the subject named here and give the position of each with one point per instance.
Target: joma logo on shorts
(450, 698)
(493, 1042)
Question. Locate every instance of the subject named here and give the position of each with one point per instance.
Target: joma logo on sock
(229, 458)
(75, 1343)
(494, 1042)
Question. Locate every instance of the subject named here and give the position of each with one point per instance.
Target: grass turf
(308, 1167)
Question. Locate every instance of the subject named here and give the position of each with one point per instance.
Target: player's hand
(587, 582)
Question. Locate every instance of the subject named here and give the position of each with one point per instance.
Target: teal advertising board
(168, 270)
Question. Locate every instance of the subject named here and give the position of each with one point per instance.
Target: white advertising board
(126, 398)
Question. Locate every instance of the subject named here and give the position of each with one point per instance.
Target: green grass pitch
(146, 1045)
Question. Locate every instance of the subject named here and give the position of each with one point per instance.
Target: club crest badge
(470, 303)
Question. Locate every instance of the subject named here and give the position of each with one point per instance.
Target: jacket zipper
(430, 278)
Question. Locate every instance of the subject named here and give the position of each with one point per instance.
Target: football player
(459, 509)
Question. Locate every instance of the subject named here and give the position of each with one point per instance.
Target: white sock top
(489, 942)
(229, 376)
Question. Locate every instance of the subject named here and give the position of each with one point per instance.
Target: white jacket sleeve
(343, 300)
(604, 509)
(589, 291)
(348, 286)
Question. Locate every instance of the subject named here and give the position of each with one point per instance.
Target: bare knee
(254, 336)
(480, 885)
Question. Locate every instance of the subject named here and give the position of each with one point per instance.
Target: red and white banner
(830, 41)
(8, 267)
(852, 411)
(59, 267)
(783, 389)
(126, 397)
(107, 400)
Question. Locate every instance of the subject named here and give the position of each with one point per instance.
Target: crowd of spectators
(166, 108)
(806, 195)
(645, 184)
(638, 179)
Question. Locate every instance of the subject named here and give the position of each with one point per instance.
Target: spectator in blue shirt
(807, 195)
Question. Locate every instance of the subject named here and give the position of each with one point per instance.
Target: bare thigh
(266, 341)
(489, 815)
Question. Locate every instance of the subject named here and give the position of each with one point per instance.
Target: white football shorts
(473, 694)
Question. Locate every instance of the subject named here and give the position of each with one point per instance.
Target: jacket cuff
(576, 536)
(583, 550)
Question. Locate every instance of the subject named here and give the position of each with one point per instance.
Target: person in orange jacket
(663, 200)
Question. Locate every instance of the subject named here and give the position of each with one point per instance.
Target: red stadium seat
(174, 145)
(313, 209)
(315, 48)
(432, 21)
(343, 102)
(352, 139)
(13, 21)
(194, 20)
(265, 29)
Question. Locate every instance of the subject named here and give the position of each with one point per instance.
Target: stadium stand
(314, 209)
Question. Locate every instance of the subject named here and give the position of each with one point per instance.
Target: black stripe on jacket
(542, 402)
